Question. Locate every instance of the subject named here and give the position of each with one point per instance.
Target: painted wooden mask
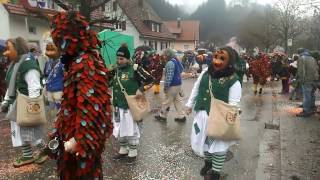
(52, 51)
(221, 60)
(10, 52)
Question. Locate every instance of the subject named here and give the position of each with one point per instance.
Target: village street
(275, 145)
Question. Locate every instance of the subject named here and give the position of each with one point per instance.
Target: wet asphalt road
(164, 151)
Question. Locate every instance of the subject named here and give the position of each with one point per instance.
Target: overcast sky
(193, 4)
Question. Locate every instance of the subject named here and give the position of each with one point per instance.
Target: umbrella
(111, 41)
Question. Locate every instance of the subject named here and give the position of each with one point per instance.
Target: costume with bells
(133, 79)
(226, 87)
(152, 63)
(84, 119)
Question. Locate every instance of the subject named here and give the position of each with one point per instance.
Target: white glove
(135, 67)
(70, 145)
(4, 106)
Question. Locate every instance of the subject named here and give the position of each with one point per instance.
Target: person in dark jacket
(308, 75)
(284, 76)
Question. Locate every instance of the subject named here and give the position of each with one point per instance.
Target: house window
(153, 27)
(186, 47)
(32, 30)
(164, 45)
(158, 27)
(156, 45)
(145, 42)
(108, 7)
(124, 25)
(151, 44)
(167, 45)
(114, 6)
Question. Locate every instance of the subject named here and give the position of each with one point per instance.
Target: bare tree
(86, 8)
(289, 18)
(315, 30)
(256, 29)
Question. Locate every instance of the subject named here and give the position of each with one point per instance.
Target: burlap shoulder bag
(138, 104)
(223, 120)
(30, 111)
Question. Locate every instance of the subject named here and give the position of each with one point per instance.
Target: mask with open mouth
(222, 64)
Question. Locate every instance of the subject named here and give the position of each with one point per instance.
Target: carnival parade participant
(126, 129)
(260, 70)
(84, 120)
(24, 76)
(54, 78)
(226, 87)
(172, 88)
(147, 58)
(156, 68)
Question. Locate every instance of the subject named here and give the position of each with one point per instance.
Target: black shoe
(159, 118)
(260, 91)
(304, 114)
(180, 119)
(119, 156)
(212, 175)
(131, 160)
(207, 166)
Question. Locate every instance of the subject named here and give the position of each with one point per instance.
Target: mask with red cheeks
(52, 51)
(10, 52)
(220, 60)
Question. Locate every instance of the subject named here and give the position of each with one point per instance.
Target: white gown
(127, 127)
(201, 117)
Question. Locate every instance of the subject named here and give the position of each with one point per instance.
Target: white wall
(18, 28)
(4, 23)
(181, 45)
(132, 31)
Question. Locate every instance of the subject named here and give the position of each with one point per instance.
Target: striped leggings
(27, 149)
(217, 160)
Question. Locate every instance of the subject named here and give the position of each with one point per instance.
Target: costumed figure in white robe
(226, 87)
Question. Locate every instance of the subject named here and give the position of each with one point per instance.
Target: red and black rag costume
(260, 69)
(85, 113)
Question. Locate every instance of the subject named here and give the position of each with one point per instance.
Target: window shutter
(124, 25)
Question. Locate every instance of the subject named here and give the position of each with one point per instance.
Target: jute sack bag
(30, 111)
(138, 104)
(223, 120)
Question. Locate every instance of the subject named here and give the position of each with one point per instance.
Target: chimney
(140, 3)
(179, 22)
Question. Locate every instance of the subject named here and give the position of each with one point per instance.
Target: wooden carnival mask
(52, 51)
(221, 60)
(10, 52)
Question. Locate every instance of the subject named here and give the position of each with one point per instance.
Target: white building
(24, 20)
(139, 20)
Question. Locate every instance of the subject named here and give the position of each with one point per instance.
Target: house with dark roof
(186, 34)
(29, 19)
(142, 22)
(26, 19)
